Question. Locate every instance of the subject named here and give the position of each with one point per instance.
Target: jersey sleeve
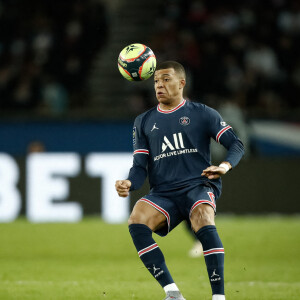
(138, 171)
(223, 133)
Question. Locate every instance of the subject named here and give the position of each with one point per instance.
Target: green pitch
(94, 260)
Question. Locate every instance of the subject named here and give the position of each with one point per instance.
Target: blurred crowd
(46, 48)
(243, 53)
(240, 55)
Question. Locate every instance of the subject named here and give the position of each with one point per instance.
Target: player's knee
(133, 220)
(149, 220)
(139, 218)
(202, 215)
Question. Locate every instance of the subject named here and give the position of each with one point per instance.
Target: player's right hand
(122, 187)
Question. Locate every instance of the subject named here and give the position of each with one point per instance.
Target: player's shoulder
(195, 105)
(200, 107)
(141, 119)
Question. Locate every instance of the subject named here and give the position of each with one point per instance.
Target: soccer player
(172, 146)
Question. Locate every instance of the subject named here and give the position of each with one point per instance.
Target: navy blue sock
(150, 254)
(213, 252)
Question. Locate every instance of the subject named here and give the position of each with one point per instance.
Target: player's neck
(171, 105)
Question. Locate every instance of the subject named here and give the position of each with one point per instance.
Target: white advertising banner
(48, 188)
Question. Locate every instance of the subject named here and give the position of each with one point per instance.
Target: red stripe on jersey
(141, 151)
(164, 212)
(212, 204)
(148, 249)
(221, 132)
(172, 110)
(213, 251)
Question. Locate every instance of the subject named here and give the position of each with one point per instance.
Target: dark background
(60, 89)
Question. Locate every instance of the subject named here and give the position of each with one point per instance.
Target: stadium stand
(59, 58)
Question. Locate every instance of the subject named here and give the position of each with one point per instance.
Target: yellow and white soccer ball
(136, 62)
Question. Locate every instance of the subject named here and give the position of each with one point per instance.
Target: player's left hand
(213, 172)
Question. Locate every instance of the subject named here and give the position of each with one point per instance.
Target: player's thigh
(144, 213)
(201, 206)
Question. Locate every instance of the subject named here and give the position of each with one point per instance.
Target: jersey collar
(172, 110)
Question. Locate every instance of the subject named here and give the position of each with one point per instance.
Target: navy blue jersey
(173, 147)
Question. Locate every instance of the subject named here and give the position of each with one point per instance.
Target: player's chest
(158, 127)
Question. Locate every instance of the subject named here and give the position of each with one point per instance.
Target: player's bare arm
(122, 187)
(214, 172)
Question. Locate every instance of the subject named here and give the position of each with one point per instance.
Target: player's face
(168, 86)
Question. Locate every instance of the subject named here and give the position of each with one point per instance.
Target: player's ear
(182, 83)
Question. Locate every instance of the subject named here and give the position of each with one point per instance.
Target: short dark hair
(170, 64)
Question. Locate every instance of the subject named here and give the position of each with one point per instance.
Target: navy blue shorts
(178, 205)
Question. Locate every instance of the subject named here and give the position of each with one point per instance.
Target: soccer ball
(136, 62)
